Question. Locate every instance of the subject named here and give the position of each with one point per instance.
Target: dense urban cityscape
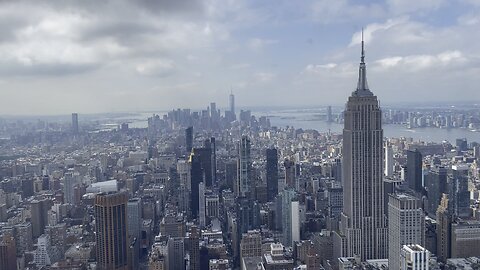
(216, 190)
(240, 135)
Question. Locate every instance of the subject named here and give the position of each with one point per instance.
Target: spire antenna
(363, 49)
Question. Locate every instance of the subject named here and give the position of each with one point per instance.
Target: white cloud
(258, 44)
(159, 68)
(409, 6)
(414, 63)
(333, 11)
(264, 77)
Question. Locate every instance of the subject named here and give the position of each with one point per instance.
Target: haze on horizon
(90, 56)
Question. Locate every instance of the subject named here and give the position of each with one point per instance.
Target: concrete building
(111, 231)
(406, 225)
(413, 257)
(251, 244)
(465, 239)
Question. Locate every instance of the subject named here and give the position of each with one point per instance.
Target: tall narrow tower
(244, 166)
(363, 228)
(232, 103)
(111, 231)
(75, 123)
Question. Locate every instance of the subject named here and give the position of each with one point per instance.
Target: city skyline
(92, 58)
(97, 171)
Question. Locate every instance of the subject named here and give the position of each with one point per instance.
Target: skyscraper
(290, 179)
(406, 225)
(134, 209)
(205, 156)
(111, 230)
(189, 139)
(436, 183)
(363, 230)
(232, 103)
(176, 253)
(196, 176)
(388, 160)
(201, 204)
(244, 168)
(459, 193)
(329, 114)
(194, 238)
(288, 196)
(414, 170)
(444, 225)
(8, 256)
(272, 173)
(75, 123)
(38, 210)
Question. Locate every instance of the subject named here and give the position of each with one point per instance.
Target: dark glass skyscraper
(363, 229)
(243, 187)
(196, 176)
(436, 183)
(205, 156)
(272, 173)
(414, 170)
(189, 139)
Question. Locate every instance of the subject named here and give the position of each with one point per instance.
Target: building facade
(406, 225)
(111, 230)
(363, 227)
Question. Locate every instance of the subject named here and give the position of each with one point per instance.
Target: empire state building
(363, 230)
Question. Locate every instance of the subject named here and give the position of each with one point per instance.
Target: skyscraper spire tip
(363, 48)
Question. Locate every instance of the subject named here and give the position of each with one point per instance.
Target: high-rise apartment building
(406, 225)
(111, 230)
(39, 217)
(363, 230)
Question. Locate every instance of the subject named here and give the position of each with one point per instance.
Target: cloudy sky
(90, 56)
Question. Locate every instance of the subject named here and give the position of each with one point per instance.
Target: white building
(414, 257)
(295, 222)
(44, 254)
